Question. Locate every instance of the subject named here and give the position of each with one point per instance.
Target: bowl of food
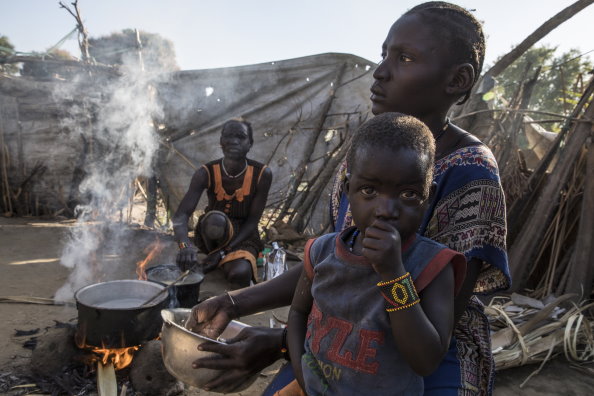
(180, 348)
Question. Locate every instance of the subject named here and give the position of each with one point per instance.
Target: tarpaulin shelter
(302, 110)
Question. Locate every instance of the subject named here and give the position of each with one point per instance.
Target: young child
(373, 310)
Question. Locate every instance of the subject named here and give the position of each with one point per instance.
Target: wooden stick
(131, 201)
(166, 288)
(581, 275)
(172, 148)
(527, 199)
(107, 384)
(551, 349)
(309, 147)
(4, 161)
(34, 300)
(523, 111)
(83, 39)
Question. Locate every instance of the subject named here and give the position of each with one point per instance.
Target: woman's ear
(461, 79)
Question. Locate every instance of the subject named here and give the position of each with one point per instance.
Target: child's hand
(381, 246)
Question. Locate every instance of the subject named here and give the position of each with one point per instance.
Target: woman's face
(412, 75)
(235, 141)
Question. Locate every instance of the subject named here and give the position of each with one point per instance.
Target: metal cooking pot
(110, 314)
(180, 349)
(186, 292)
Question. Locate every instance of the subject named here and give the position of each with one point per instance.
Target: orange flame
(119, 357)
(153, 249)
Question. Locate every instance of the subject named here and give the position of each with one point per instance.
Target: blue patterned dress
(467, 215)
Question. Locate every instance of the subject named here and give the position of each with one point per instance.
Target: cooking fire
(119, 357)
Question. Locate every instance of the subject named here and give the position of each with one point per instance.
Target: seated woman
(237, 189)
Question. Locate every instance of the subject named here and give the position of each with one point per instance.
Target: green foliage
(5, 43)
(560, 82)
(61, 54)
(120, 48)
(6, 49)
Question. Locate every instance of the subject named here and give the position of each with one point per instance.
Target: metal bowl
(180, 349)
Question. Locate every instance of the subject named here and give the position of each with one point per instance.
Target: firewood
(107, 384)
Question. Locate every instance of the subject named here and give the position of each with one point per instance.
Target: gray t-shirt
(349, 347)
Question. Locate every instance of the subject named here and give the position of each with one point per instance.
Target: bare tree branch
(538, 34)
(83, 34)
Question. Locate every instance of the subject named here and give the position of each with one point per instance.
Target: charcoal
(31, 343)
(21, 333)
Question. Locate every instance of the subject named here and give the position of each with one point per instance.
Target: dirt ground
(30, 249)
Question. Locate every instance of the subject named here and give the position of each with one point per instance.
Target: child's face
(390, 186)
(412, 76)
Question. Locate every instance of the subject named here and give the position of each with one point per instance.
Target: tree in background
(158, 53)
(6, 49)
(560, 83)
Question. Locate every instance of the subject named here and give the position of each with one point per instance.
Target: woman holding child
(352, 278)
(432, 57)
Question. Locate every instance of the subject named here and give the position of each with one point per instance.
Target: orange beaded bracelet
(399, 293)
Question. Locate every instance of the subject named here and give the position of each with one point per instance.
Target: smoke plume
(120, 141)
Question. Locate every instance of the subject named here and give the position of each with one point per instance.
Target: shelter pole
(581, 269)
(521, 205)
(524, 249)
(510, 146)
(6, 193)
(309, 149)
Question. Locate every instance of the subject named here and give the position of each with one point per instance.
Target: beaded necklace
(237, 175)
(443, 130)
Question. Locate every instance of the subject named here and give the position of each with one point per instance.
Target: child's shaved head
(395, 131)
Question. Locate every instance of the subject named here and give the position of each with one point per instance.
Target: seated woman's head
(390, 165)
(431, 58)
(236, 138)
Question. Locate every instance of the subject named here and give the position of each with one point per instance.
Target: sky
(220, 33)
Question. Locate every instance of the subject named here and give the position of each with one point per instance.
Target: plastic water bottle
(275, 262)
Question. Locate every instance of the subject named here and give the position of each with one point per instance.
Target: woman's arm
(212, 316)
(297, 325)
(256, 210)
(255, 347)
(188, 256)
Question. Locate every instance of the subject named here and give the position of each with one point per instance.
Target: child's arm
(297, 325)
(422, 332)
